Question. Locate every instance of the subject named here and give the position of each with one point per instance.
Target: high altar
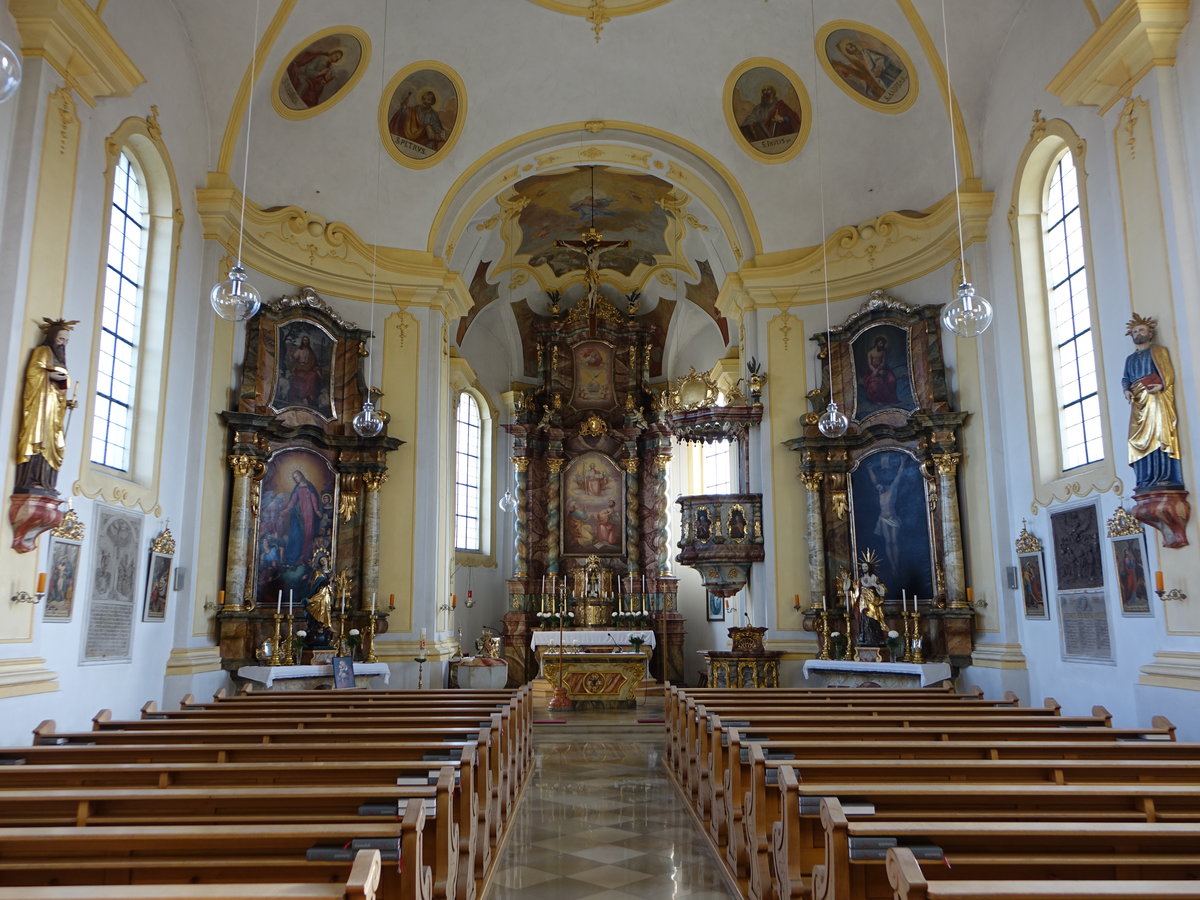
(591, 454)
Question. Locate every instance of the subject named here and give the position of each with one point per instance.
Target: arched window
(139, 248)
(716, 468)
(468, 451)
(121, 319)
(1065, 398)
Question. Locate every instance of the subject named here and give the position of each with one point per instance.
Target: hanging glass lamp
(10, 71)
(968, 315)
(235, 298)
(368, 423)
(832, 422)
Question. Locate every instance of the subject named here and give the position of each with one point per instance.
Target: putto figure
(42, 440)
(1149, 385)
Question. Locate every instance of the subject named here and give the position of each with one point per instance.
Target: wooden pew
(1004, 851)
(909, 883)
(122, 856)
(361, 884)
(797, 841)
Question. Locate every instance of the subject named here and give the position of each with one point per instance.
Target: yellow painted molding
(300, 247)
(27, 675)
(891, 249)
(999, 656)
(1139, 35)
(193, 660)
(70, 36)
(1173, 669)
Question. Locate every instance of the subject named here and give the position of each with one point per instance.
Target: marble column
(816, 536)
(373, 482)
(952, 549)
(631, 519)
(246, 471)
(521, 548)
(553, 513)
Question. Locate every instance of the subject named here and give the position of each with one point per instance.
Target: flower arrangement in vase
(895, 646)
(837, 645)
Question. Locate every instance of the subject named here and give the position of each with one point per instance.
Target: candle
(279, 603)
(391, 601)
(343, 601)
(970, 595)
(220, 598)
(823, 606)
(372, 601)
(453, 600)
(41, 588)
(796, 600)
(904, 600)
(291, 600)
(643, 584)
(543, 584)
(1158, 581)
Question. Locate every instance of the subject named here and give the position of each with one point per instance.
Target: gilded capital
(554, 465)
(247, 466)
(812, 481)
(630, 465)
(521, 463)
(946, 463)
(374, 481)
(662, 460)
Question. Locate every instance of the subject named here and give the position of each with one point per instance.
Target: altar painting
(295, 525)
(593, 504)
(593, 376)
(890, 515)
(882, 378)
(304, 368)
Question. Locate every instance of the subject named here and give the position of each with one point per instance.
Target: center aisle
(600, 819)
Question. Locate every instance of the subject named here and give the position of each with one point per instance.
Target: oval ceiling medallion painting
(867, 65)
(599, 12)
(421, 113)
(767, 108)
(320, 72)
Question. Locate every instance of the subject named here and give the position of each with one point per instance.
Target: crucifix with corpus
(591, 244)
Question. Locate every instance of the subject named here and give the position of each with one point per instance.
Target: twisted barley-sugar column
(661, 461)
(373, 482)
(521, 547)
(553, 513)
(952, 550)
(816, 535)
(630, 465)
(246, 471)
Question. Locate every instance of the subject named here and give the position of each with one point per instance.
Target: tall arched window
(139, 247)
(1065, 398)
(468, 451)
(716, 468)
(121, 319)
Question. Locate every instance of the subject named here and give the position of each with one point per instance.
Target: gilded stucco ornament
(71, 527)
(1026, 542)
(1123, 524)
(164, 542)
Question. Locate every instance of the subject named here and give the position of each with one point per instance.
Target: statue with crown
(864, 601)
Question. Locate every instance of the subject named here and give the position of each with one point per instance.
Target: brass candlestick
(369, 651)
(913, 634)
(276, 659)
(289, 656)
(341, 641)
(822, 623)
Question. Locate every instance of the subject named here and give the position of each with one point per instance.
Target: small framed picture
(158, 582)
(343, 672)
(716, 607)
(1130, 556)
(1033, 585)
(64, 576)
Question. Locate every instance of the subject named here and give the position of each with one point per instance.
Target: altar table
(850, 673)
(307, 678)
(606, 678)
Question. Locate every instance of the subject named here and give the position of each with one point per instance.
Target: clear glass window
(467, 474)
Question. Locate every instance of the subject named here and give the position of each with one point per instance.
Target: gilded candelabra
(276, 658)
(289, 655)
(369, 646)
(821, 617)
(912, 637)
(341, 640)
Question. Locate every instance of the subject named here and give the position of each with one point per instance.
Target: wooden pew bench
(213, 854)
(797, 842)
(910, 883)
(361, 884)
(855, 867)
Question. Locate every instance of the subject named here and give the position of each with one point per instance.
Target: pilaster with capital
(372, 483)
(521, 547)
(247, 470)
(630, 465)
(816, 535)
(947, 471)
(554, 467)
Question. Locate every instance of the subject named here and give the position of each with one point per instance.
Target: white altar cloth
(571, 637)
(267, 675)
(920, 674)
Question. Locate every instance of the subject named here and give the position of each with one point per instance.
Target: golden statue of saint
(42, 441)
(1149, 384)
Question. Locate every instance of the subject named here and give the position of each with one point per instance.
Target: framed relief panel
(421, 113)
(1078, 563)
(320, 72)
(108, 631)
(1129, 554)
(767, 109)
(868, 65)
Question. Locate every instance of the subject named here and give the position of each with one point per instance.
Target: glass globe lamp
(968, 315)
(508, 502)
(235, 298)
(832, 422)
(10, 71)
(368, 423)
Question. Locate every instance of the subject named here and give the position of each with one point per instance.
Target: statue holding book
(1149, 385)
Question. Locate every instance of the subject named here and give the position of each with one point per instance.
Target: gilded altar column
(661, 461)
(553, 513)
(521, 548)
(952, 550)
(816, 536)
(373, 482)
(247, 473)
(631, 519)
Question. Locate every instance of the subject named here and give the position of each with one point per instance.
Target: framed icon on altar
(343, 672)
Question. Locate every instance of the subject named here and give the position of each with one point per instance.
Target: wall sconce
(34, 598)
(1172, 594)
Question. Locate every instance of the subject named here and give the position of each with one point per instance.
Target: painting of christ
(593, 506)
(891, 517)
(593, 387)
(881, 371)
(304, 369)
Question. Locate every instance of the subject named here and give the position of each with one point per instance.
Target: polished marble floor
(600, 819)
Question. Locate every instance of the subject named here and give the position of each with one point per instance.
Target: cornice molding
(1173, 669)
(27, 675)
(999, 656)
(891, 249)
(295, 246)
(1139, 35)
(193, 660)
(70, 36)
